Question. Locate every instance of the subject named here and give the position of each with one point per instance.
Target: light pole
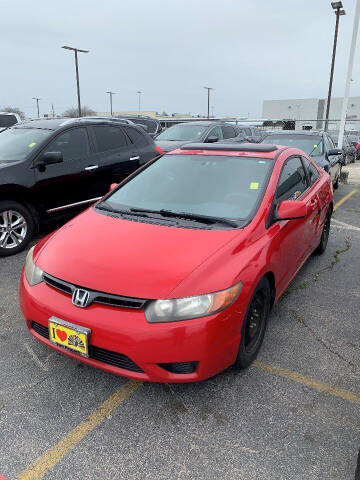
(37, 104)
(110, 95)
(139, 92)
(337, 6)
(208, 105)
(76, 50)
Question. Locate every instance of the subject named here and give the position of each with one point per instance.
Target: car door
(290, 237)
(143, 146)
(315, 211)
(116, 157)
(61, 185)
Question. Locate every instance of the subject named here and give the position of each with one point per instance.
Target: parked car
(202, 131)
(355, 141)
(55, 167)
(319, 145)
(178, 267)
(8, 119)
(153, 126)
(252, 134)
(349, 151)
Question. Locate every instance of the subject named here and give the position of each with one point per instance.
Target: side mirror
(334, 151)
(212, 139)
(50, 158)
(291, 210)
(112, 186)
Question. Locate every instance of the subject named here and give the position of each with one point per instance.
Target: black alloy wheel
(325, 234)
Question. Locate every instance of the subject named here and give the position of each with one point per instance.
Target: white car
(8, 119)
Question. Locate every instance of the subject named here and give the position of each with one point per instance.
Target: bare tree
(14, 110)
(74, 113)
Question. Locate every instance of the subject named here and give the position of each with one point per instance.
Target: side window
(311, 171)
(247, 132)
(328, 143)
(292, 182)
(109, 138)
(216, 132)
(136, 137)
(228, 132)
(73, 144)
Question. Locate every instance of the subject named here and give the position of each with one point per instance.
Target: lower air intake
(180, 367)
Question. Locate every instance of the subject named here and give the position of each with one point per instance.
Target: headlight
(174, 310)
(33, 273)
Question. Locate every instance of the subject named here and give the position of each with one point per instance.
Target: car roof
(206, 123)
(56, 123)
(296, 132)
(229, 149)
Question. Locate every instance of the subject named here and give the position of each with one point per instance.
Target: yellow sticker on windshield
(254, 185)
(315, 146)
(32, 144)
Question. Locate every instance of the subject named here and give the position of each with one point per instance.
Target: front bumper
(211, 341)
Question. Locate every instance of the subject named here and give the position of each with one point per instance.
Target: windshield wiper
(190, 216)
(108, 208)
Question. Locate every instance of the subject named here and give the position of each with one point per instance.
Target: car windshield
(310, 144)
(187, 133)
(17, 143)
(217, 186)
(7, 120)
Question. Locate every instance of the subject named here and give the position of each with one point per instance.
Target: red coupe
(172, 275)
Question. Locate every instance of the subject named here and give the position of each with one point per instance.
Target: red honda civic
(171, 276)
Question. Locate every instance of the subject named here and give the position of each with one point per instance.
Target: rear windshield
(312, 145)
(220, 186)
(17, 143)
(186, 133)
(7, 120)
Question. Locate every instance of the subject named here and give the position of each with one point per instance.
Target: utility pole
(208, 103)
(110, 95)
(139, 93)
(53, 111)
(337, 6)
(37, 104)
(76, 50)
(349, 72)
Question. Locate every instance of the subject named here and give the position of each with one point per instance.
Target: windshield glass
(7, 120)
(17, 143)
(218, 186)
(187, 133)
(151, 125)
(311, 144)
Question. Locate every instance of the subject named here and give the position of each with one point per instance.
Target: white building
(310, 111)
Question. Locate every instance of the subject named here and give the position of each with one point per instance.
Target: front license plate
(70, 336)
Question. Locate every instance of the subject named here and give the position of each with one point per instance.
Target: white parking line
(346, 226)
(36, 358)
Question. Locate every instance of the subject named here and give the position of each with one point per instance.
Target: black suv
(56, 167)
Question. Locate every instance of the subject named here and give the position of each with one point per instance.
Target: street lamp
(208, 105)
(37, 104)
(76, 50)
(110, 95)
(337, 6)
(139, 92)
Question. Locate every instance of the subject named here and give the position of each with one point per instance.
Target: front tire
(324, 234)
(254, 325)
(17, 227)
(336, 184)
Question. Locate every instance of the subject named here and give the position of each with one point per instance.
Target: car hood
(168, 145)
(126, 257)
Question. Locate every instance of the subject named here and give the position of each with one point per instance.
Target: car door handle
(91, 167)
(134, 158)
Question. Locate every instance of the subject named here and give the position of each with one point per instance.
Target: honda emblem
(80, 298)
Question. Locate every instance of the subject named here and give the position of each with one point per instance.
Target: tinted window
(109, 138)
(17, 143)
(228, 132)
(150, 124)
(215, 132)
(214, 185)
(136, 137)
(292, 181)
(72, 144)
(7, 120)
(310, 144)
(328, 143)
(247, 132)
(311, 171)
(183, 132)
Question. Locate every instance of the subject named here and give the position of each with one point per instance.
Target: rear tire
(254, 325)
(324, 234)
(336, 184)
(17, 227)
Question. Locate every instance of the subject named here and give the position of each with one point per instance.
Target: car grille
(96, 297)
(99, 354)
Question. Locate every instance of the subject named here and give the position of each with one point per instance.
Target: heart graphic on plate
(61, 334)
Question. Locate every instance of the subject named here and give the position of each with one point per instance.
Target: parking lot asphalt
(295, 414)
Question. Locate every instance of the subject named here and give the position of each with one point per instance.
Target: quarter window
(216, 132)
(109, 138)
(311, 171)
(73, 144)
(135, 136)
(328, 143)
(292, 182)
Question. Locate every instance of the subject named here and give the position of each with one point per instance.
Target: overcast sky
(248, 50)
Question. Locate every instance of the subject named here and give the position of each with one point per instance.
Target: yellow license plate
(70, 336)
